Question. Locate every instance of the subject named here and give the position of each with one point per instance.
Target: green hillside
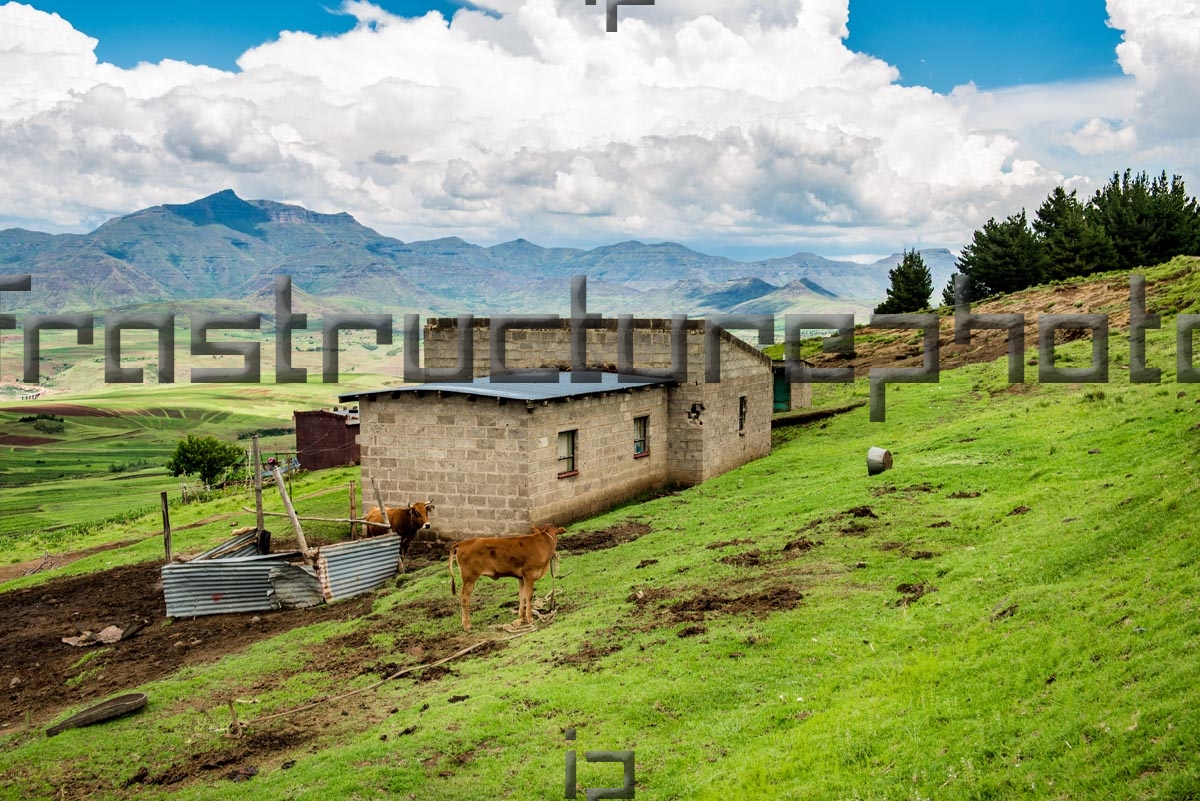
(1009, 613)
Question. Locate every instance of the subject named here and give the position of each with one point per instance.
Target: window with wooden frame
(641, 437)
(742, 414)
(566, 454)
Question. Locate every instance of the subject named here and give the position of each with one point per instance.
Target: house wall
(725, 447)
(491, 468)
(608, 473)
(470, 456)
(697, 448)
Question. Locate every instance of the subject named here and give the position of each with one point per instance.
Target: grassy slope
(68, 482)
(1082, 689)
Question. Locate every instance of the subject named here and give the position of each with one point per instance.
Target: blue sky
(934, 43)
(749, 128)
(942, 43)
(214, 33)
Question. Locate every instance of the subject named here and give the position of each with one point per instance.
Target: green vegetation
(1133, 222)
(1009, 613)
(911, 286)
(203, 456)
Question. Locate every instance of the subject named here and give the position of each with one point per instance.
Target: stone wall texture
(491, 466)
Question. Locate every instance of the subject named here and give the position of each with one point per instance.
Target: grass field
(107, 460)
(1010, 613)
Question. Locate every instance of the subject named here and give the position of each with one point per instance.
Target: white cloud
(1160, 48)
(710, 121)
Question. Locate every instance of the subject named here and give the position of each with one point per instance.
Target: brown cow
(405, 521)
(525, 558)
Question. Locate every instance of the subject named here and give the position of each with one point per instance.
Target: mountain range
(222, 247)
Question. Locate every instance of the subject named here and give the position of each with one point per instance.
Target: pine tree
(912, 284)
(1073, 245)
(1002, 257)
(1148, 222)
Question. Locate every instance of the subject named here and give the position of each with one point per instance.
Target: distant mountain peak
(222, 208)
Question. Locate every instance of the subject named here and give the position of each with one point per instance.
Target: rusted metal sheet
(242, 545)
(350, 568)
(237, 584)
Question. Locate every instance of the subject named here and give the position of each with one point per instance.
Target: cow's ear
(428, 506)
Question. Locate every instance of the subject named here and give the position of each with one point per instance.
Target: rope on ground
(236, 727)
(536, 608)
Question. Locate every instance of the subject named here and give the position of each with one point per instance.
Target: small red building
(326, 438)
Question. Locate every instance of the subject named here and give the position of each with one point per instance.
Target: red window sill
(568, 474)
(641, 455)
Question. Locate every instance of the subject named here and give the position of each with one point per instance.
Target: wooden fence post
(166, 514)
(258, 502)
(291, 511)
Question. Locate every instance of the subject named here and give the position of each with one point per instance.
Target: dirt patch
(424, 552)
(801, 545)
(619, 534)
(854, 530)
(889, 350)
(22, 441)
(705, 602)
(892, 546)
(760, 602)
(1020, 510)
(233, 763)
(40, 675)
(645, 563)
(753, 558)
(860, 511)
(911, 593)
(691, 631)
(727, 543)
(963, 495)
(939, 524)
(70, 410)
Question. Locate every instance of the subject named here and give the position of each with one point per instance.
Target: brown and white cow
(405, 521)
(526, 558)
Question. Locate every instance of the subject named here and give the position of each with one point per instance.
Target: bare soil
(71, 410)
(649, 601)
(905, 348)
(23, 441)
(587, 541)
(40, 675)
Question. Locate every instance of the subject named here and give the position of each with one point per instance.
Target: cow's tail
(553, 576)
(450, 566)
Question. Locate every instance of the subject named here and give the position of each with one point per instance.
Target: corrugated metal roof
(350, 568)
(217, 586)
(485, 386)
(243, 545)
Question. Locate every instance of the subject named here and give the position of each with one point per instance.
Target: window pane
(566, 452)
(641, 444)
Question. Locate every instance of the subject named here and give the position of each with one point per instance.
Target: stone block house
(496, 457)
